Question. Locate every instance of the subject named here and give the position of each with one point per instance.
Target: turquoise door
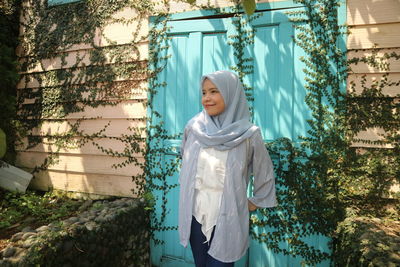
(200, 46)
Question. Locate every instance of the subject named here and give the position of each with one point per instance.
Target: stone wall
(105, 233)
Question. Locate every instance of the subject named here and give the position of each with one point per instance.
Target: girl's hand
(252, 207)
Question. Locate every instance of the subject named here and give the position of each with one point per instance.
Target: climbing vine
(9, 15)
(70, 65)
(320, 177)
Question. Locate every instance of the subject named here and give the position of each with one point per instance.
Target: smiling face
(211, 99)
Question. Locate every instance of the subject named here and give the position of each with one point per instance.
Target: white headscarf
(233, 125)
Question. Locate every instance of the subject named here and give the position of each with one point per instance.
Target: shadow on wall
(76, 103)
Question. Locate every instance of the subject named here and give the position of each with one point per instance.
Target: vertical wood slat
(266, 76)
(286, 80)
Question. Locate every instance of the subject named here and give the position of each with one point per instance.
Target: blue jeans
(199, 248)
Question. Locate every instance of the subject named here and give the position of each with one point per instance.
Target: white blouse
(209, 185)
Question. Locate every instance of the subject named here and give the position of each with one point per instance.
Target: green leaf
(191, 1)
(3, 144)
(249, 6)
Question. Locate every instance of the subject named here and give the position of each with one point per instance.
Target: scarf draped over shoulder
(233, 125)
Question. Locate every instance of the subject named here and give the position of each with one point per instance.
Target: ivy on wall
(114, 70)
(316, 179)
(9, 15)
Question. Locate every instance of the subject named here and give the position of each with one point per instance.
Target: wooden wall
(373, 23)
(89, 170)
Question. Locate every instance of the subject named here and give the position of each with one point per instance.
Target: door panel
(200, 46)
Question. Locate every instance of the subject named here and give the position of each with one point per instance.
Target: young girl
(220, 149)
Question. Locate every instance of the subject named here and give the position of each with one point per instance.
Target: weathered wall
(87, 169)
(373, 23)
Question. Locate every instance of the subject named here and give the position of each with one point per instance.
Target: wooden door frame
(261, 7)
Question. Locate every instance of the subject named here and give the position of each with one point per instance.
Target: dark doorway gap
(230, 15)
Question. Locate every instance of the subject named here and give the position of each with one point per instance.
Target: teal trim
(342, 13)
(211, 12)
(342, 40)
(200, 25)
(60, 2)
(342, 21)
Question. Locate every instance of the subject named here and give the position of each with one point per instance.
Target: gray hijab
(233, 125)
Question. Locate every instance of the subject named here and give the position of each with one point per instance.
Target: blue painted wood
(199, 46)
(266, 81)
(60, 2)
(156, 252)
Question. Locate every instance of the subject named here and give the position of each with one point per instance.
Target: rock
(16, 237)
(376, 220)
(109, 217)
(104, 211)
(28, 229)
(132, 202)
(54, 227)
(42, 228)
(29, 242)
(93, 213)
(9, 252)
(27, 235)
(83, 220)
(394, 257)
(66, 223)
(100, 219)
(90, 226)
(86, 205)
(395, 246)
(72, 219)
(103, 232)
(21, 252)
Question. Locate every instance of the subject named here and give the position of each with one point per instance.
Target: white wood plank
(361, 12)
(135, 29)
(94, 164)
(29, 80)
(127, 109)
(373, 78)
(87, 149)
(114, 127)
(114, 185)
(371, 134)
(129, 89)
(81, 58)
(364, 68)
(369, 36)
